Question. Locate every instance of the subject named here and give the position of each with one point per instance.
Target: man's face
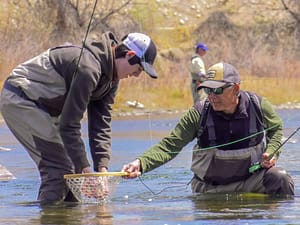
(201, 52)
(226, 100)
(125, 69)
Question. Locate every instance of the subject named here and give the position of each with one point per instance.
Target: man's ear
(130, 53)
(236, 88)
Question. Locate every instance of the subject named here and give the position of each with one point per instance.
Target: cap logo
(216, 72)
(211, 74)
(220, 74)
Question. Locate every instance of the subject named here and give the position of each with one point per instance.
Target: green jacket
(186, 131)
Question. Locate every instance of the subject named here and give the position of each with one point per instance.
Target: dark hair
(121, 51)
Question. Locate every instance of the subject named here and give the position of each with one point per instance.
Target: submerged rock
(5, 175)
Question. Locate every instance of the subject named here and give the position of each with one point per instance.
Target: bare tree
(72, 16)
(30, 26)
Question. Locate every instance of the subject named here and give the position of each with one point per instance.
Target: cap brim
(211, 84)
(148, 68)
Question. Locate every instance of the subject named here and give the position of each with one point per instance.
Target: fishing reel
(255, 167)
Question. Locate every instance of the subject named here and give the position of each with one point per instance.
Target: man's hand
(87, 170)
(265, 163)
(102, 169)
(133, 168)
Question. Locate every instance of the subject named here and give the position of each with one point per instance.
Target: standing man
(197, 69)
(234, 129)
(44, 100)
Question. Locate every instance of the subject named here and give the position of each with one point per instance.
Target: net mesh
(92, 189)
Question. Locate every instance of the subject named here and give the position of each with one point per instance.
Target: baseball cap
(202, 46)
(220, 74)
(144, 48)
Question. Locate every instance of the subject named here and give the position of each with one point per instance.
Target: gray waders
(38, 132)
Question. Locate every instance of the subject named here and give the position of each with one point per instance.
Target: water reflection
(132, 203)
(236, 206)
(74, 214)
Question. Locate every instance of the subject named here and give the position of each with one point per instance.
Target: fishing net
(93, 187)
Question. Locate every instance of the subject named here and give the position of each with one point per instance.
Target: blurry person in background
(197, 71)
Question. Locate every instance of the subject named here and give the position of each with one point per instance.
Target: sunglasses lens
(218, 91)
(207, 91)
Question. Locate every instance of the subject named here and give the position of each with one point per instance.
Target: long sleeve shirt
(186, 131)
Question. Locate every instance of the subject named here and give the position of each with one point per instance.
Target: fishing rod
(256, 166)
(85, 37)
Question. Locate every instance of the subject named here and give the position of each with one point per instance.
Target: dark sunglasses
(216, 91)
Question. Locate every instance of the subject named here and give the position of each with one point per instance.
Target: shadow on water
(160, 197)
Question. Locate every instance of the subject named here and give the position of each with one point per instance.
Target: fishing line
(236, 141)
(258, 166)
(85, 37)
(202, 149)
(162, 190)
(150, 128)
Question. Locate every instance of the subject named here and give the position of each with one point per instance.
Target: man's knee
(278, 181)
(197, 186)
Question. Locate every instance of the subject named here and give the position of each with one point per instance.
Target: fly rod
(256, 166)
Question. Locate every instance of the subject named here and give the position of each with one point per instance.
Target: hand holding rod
(256, 166)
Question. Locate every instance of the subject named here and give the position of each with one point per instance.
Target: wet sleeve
(184, 132)
(273, 126)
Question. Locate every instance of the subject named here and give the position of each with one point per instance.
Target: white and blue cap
(144, 49)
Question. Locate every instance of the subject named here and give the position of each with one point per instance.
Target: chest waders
(216, 166)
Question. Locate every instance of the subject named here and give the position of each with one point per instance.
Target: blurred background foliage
(261, 38)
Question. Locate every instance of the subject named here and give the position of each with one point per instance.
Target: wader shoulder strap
(211, 129)
(202, 108)
(193, 57)
(256, 100)
(255, 115)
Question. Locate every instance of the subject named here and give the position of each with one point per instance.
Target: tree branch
(296, 16)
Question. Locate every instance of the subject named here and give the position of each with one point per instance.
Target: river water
(160, 197)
